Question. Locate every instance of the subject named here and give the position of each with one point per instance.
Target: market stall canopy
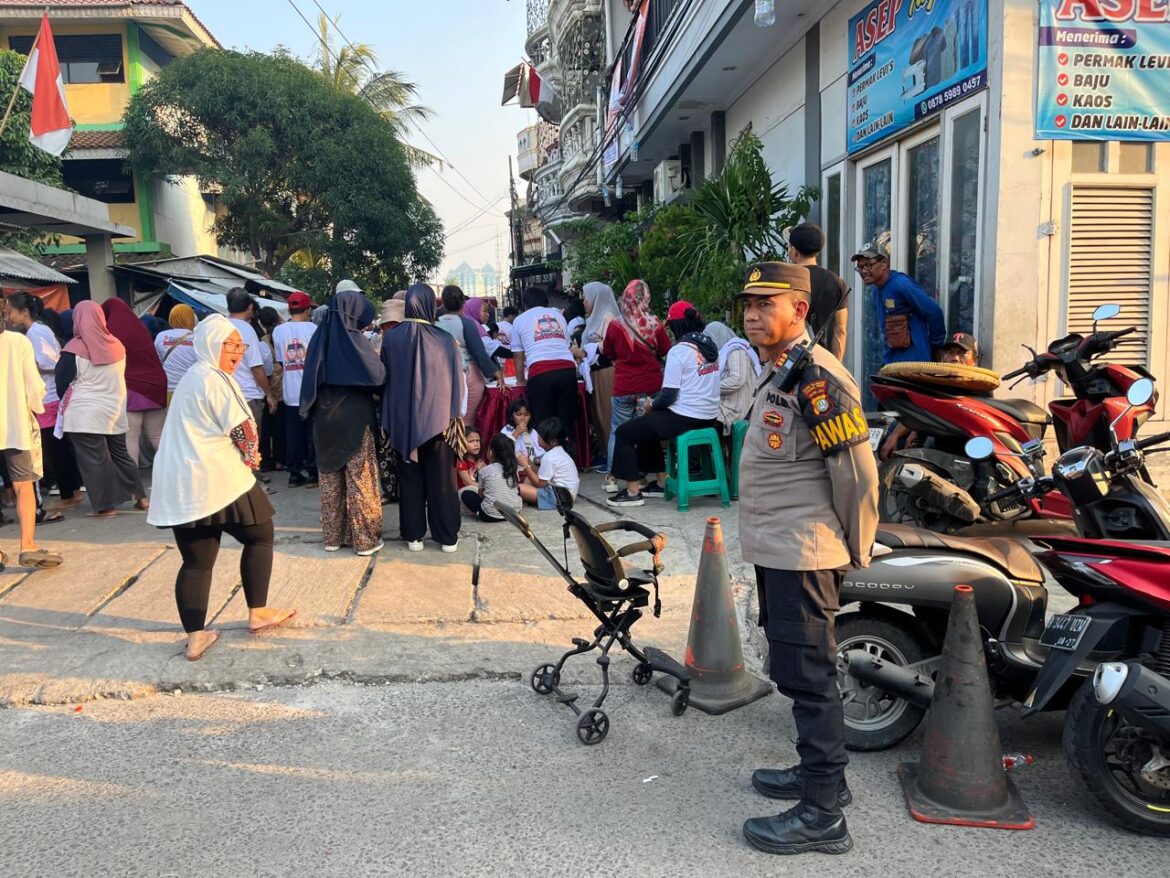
(204, 274)
(20, 267)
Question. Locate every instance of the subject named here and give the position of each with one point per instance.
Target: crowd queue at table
(443, 404)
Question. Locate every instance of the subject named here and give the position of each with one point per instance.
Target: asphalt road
(479, 778)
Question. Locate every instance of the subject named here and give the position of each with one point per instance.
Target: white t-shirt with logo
(541, 335)
(558, 469)
(253, 356)
(47, 350)
(176, 351)
(697, 382)
(291, 341)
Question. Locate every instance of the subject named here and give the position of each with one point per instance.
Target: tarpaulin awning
(204, 302)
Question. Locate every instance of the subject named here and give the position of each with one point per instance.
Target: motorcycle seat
(1007, 554)
(1023, 410)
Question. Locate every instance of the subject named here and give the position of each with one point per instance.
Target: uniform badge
(775, 441)
(773, 418)
(817, 394)
(755, 275)
(891, 304)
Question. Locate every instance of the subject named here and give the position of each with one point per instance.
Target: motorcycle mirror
(1106, 312)
(1140, 392)
(979, 448)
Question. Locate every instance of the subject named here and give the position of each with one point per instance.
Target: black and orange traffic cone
(961, 779)
(719, 681)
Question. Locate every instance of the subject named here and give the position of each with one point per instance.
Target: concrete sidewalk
(104, 625)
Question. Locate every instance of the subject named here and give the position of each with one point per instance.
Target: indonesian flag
(52, 128)
(539, 94)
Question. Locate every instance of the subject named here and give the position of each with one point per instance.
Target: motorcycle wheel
(896, 505)
(875, 719)
(1108, 753)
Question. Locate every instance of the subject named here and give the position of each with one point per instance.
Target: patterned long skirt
(387, 468)
(351, 501)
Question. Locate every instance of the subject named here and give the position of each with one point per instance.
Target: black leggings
(637, 445)
(199, 547)
(554, 394)
(474, 502)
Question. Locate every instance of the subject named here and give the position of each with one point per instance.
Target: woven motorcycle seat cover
(954, 375)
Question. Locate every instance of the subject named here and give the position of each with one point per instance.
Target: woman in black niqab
(422, 399)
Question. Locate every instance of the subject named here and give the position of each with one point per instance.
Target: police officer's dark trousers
(797, 610)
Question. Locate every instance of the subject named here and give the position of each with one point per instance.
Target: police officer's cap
(774, 278)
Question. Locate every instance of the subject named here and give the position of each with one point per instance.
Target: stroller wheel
(680, 702)
(545, 679)
(593, 726)
(642, 673)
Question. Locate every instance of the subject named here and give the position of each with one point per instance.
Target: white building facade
(1018, 238)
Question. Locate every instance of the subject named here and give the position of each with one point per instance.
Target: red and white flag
(52, 128)
(539, 94)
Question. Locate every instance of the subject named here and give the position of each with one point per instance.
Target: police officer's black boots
(787, 783)
(802, 829)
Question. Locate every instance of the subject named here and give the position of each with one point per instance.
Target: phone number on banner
(956, 92)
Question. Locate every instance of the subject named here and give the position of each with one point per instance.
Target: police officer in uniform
(808, 512)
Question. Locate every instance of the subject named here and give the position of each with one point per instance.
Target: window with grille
(83, 58)
(1111, 260)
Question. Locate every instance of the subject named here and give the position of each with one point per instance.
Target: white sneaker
(453, 548)
(372, 551)
(414, 546)
(610, 486)
(333, 548)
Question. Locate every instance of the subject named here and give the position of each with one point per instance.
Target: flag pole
(16, 91)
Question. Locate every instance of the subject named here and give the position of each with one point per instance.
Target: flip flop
(108, 513)
(41, 559)
(275, 624)
(48, 516)
(214, 639)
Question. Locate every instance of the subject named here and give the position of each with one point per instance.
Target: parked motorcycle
(941, 488)
(1117, 732)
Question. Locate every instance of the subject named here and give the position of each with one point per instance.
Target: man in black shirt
(829, 290)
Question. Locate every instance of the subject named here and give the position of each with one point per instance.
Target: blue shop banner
(1104, 70)
(910, 59)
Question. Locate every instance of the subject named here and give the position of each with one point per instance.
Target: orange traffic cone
(961, 778)
(719, 682)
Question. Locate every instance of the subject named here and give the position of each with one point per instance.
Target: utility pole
(516, 221)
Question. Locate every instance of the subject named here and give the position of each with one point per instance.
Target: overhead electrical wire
(425, 136)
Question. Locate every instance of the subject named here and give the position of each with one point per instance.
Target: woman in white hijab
(204, 485)
(600, 310)
(739, 367)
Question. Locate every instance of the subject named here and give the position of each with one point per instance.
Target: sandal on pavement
(41, 559)
(292, 614)
(48, 516)
(195, 656)
(105, 513)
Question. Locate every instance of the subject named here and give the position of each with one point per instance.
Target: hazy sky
(457, 51)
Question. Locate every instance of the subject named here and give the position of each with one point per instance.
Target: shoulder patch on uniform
(831, 410)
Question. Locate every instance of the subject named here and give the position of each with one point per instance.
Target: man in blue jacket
(911, 321)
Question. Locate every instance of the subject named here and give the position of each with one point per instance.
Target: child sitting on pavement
(468, 465)
(498, 482)
(519, 430)
(556, 468)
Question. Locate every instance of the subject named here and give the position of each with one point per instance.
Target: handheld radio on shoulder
(787, 374)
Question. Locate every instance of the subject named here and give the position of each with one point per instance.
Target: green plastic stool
(679, 482)
(738, 433)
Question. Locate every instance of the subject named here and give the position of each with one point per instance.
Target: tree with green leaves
(17, 155)
(298, 164)
(353, 68)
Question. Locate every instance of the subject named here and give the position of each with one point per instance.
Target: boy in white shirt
(556, 468)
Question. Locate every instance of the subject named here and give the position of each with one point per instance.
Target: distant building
(108, 49)
(484, 282)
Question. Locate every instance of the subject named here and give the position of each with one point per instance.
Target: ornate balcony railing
(537, 15)
(581, 53)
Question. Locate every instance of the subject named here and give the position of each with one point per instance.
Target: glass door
(920, 232)
(876, 182)
(962, 184)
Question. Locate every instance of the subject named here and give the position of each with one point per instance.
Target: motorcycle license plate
(875, 437)
(1064, 631)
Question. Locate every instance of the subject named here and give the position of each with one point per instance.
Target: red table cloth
(493, 415)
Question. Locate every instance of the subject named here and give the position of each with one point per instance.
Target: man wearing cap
(290, 340)
(808, 512)
(829, 290)
(912, 322)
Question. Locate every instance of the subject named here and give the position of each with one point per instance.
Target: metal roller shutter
(1111, 260)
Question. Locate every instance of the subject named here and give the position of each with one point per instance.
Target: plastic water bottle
(765, 13)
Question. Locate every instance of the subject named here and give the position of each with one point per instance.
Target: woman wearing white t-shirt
(175, 346)
(689, 400)
(540, 350)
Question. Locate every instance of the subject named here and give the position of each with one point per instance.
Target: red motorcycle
(938, 487)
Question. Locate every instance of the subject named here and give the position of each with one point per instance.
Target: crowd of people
(440, 403)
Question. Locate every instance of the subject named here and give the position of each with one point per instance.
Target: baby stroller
(616, 596)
